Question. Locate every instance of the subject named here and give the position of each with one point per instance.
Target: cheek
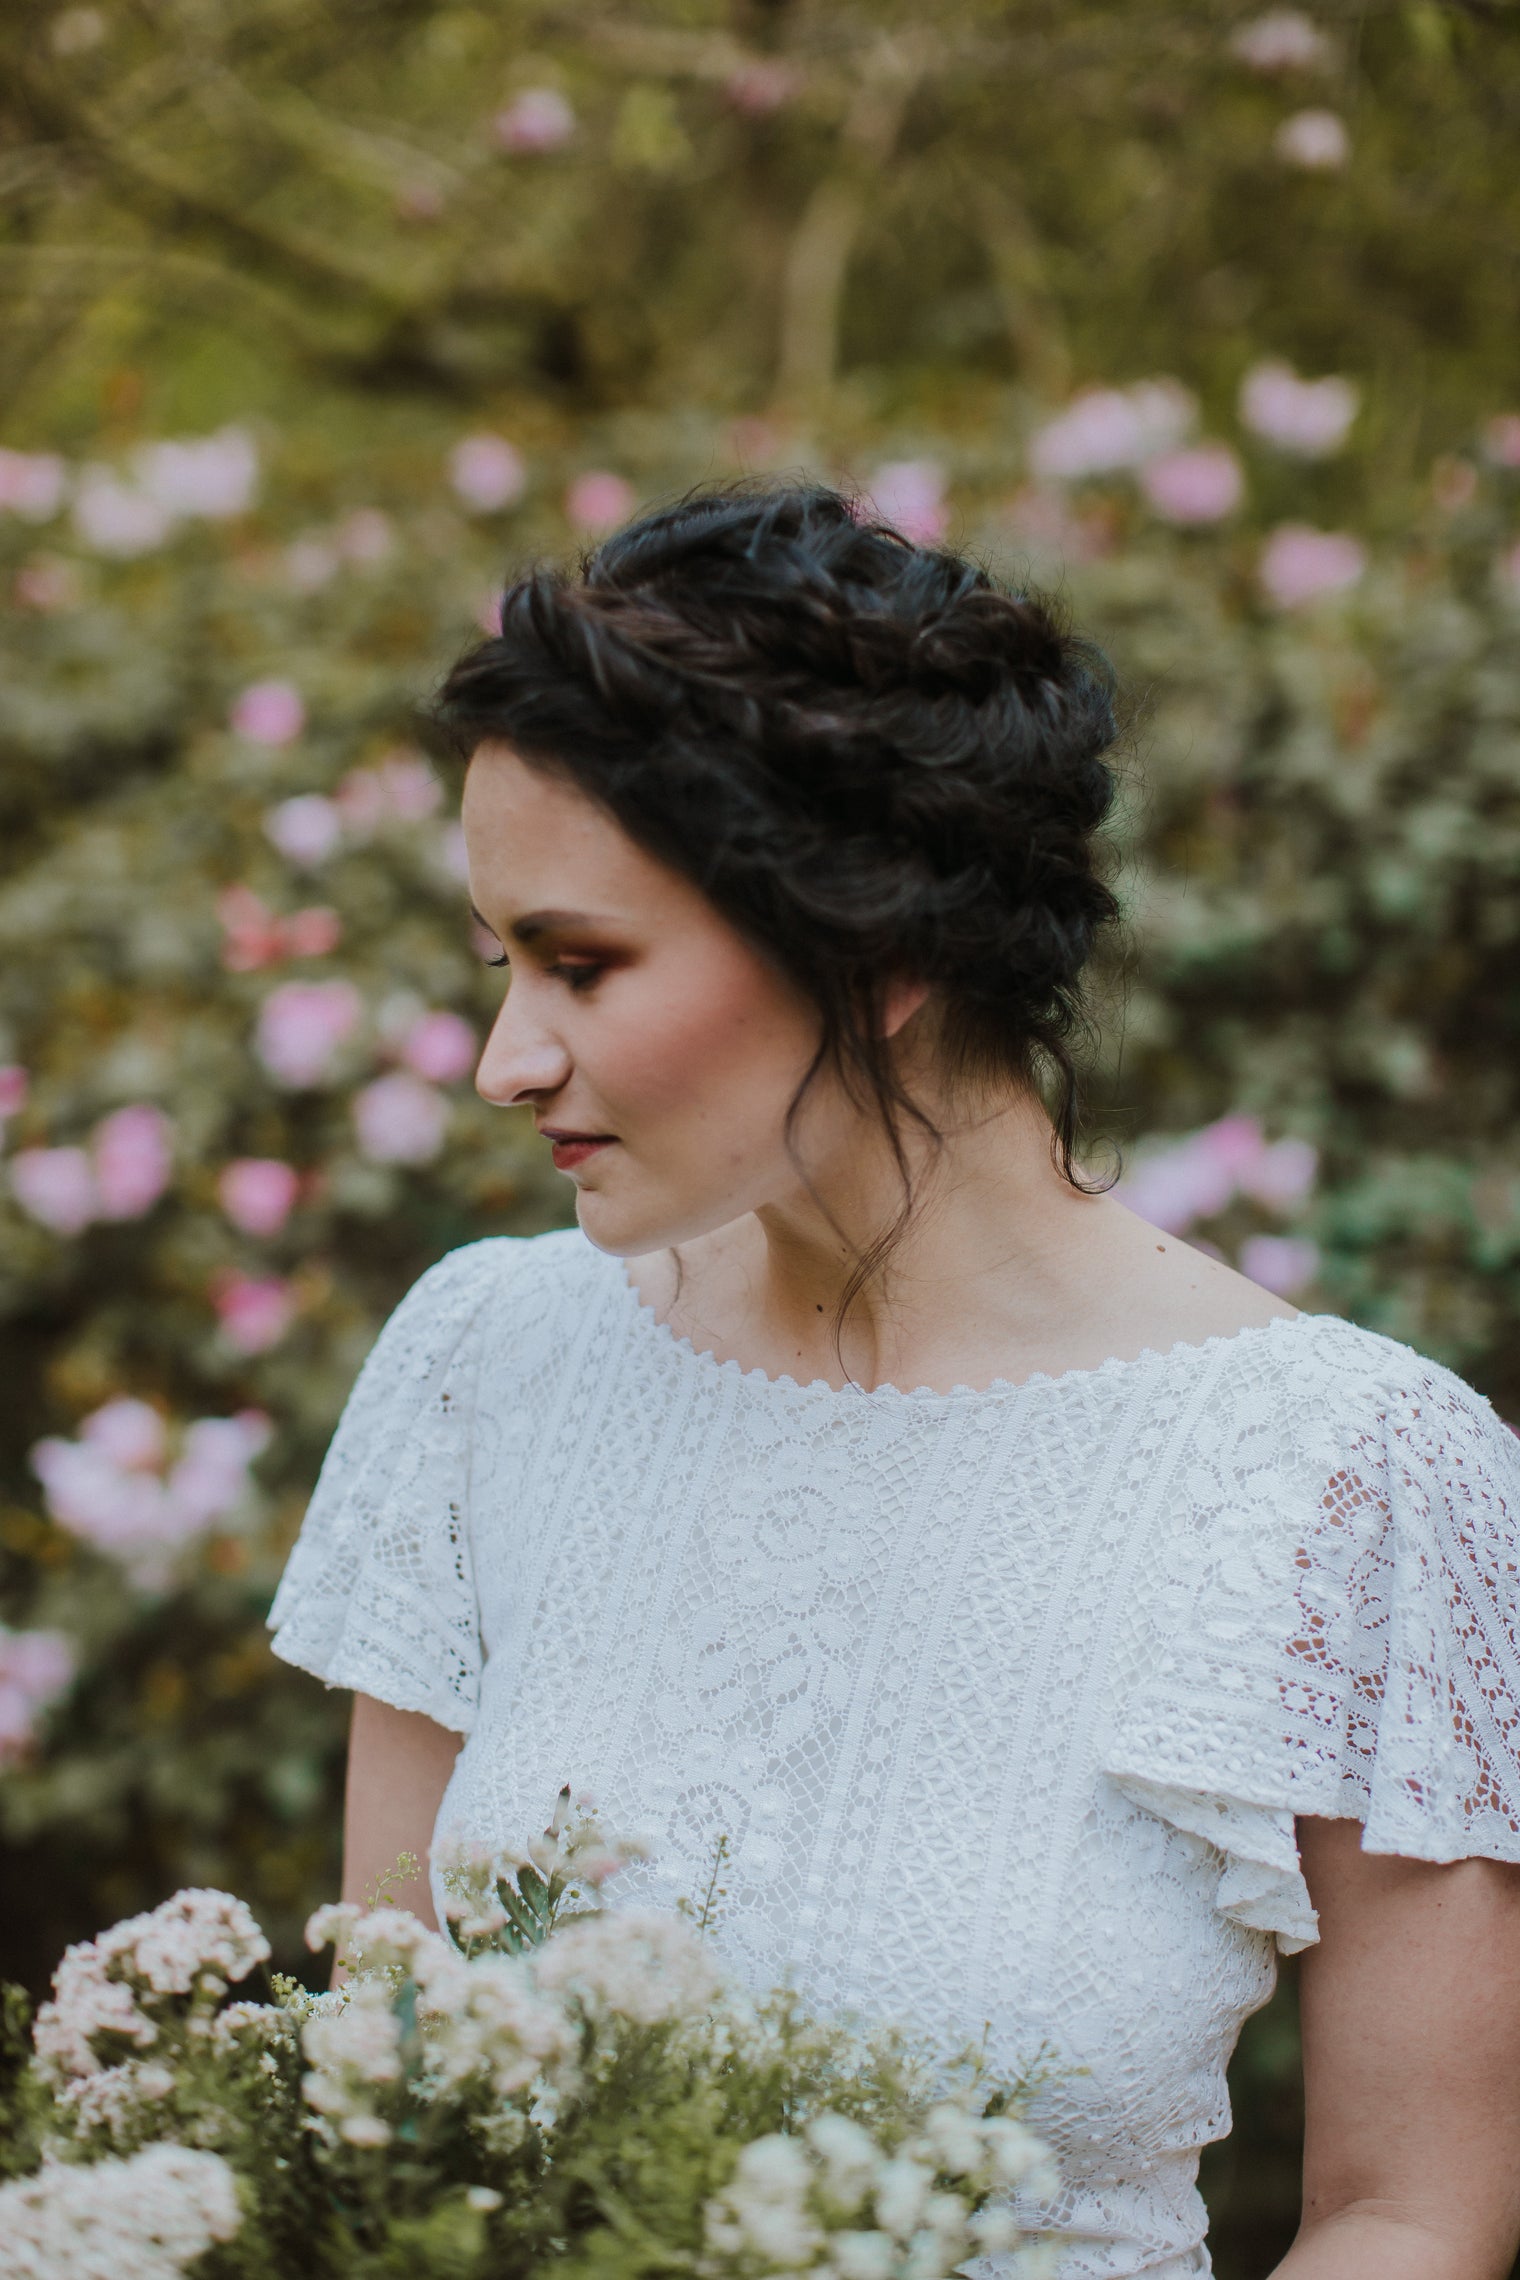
(733, 1045)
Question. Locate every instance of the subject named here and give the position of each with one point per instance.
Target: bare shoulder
(1172, 1292)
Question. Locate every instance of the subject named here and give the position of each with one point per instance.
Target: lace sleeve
(378, 1593)
(1347, 1640)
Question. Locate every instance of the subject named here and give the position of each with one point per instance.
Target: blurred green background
(317, 320)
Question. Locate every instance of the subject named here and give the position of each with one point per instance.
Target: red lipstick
(571, 1149)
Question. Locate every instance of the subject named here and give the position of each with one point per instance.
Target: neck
(996, 1244)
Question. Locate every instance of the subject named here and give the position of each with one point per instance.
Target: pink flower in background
(1501, 440)
(127, 1433)
(258, 1193)
(251, 934)
(55, 1186)
(538, 119)
(310, 564)
(400, 788)
(1301, 565)
(213, 476)
(113, 517)
(400, 1120)
(1280, 1263)
(1196, 1177)
(1314, 140)
(255, 1311)
(301, 1026)
(1104, 429)
(134, 1160)
(269, 712)
(211, 1476)
(15, 1084)
(313, 932)
(1282, 1175)
(487, 473)
(1041, 517)
(305, 829)
(32, 484)
(47, 584)
(762, 85)
(441, 1047)
(1282, 40)
(366, 536)
(1198, 486)
(599, 500)
(910, 494)
(104, 1488)
(1309, 418)
(36, 1667)
(453, 855)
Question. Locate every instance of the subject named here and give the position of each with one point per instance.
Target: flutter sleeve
(1351, 1651)
(379, 1592)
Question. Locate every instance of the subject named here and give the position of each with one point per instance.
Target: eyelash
(577, 978)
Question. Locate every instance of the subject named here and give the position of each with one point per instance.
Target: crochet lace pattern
(1005, 1700)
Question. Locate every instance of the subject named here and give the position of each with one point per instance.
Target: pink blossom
(305, 829)
(35, 1668)
(441, 1047)
(313, 932)
(129, 1434)
(269, 712)
(1196, 1177)
(761, 85)
(599, 500)
(400, 788)
(1104, 429)
(910, 494)
(1280, 1263)
(400, 1119)
(1041, 517)
(366, 536)
(1300, 565)
(1314, 140)
(46, 584)
(487, 473)
(255, 1311)
(1501, 440)
(538, 119)
(251, 933)
(55, 1186)
(1282, 1175)
(134, 1160)
(119, 1512)
(1198, 486)
(301, 1026)
(310, 563)
(113, 517)
(453, 856)
(211, 1476)
(258, 1193)
(214, 476)
(32, 484)
(1309, 418)
(15, 1084)
(1282, 40)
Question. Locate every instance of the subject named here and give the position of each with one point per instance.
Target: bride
(1056, 1625)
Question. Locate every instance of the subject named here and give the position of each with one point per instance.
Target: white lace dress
(1005, 1699)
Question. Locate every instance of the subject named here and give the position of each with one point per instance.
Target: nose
(523, 1060)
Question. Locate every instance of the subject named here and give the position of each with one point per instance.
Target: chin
(625, 1229)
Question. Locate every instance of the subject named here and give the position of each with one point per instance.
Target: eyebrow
(538, 922)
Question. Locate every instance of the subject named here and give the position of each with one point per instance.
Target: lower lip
(569, 1155)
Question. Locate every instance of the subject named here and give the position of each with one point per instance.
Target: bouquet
(552, 2088)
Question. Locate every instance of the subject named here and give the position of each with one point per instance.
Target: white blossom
(636, 1965)
(145, 2218)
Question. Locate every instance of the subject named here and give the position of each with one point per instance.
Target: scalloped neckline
(1116, 1365)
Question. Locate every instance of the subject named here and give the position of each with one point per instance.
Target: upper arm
(399, 1763)
(1411, 2032)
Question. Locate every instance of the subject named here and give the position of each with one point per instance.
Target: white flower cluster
(122, 1989)
(635, 1964)
(832, 2204)
(141, 2219)
(574, 1852)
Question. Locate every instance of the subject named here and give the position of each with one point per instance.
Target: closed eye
(575, 976)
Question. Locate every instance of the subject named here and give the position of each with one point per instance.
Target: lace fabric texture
(1005, 1700)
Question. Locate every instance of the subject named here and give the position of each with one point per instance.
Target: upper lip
(554, 1132)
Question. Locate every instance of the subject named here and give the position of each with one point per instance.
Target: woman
(1055, 1624)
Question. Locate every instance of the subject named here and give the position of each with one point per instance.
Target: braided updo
(873, 761)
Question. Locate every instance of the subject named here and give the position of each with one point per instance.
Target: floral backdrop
(318, 321)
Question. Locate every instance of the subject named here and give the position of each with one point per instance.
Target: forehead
(534, 837)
